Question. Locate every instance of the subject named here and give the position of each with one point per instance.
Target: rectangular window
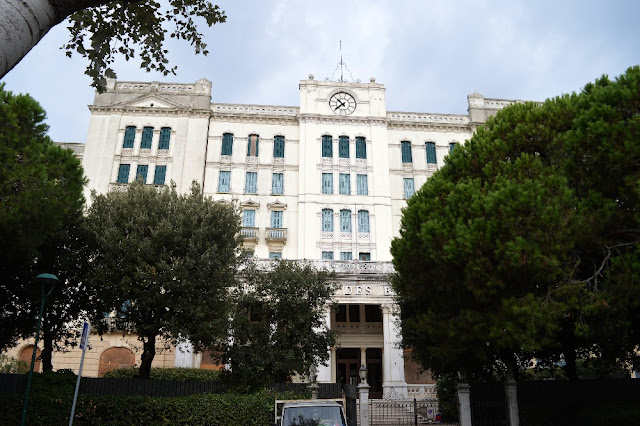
(141, 173)
(278, 147)
(165, 138)
(224, 181)
(409, 188)
(363, 221)
(452, 146)
(406, 152)
(249, 218)
(251, 183)
(129, 136)
(277, 184)
(227, 144)
(361, 147)
(160, 175)
(431, 153)
(345, 220)
(327, 255)
(327, 220)
(341, 313)
(372, 313)
(327, 146)
(327, 183)
(343, 147)
(346, 255)
(276, 219)
(147, 137)
(123, 173)
(364, 256)
(345, 184)
(275, 255)
(362, 185)
(354, 313)
(252, 146)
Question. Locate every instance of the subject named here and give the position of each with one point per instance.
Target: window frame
(129, 137)
(405, 149)
(361, 147)
(278, 146)
(227, 144)
(147, 137)
(251, 183)
(327, 146)
(327, 220)
(327, 183)
(430, 148)
(221, 181)
(164, 141)
(156, 180)
(343, 146)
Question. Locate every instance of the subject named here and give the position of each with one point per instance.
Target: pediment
(277, 205)
(150, 101)
(250, 203)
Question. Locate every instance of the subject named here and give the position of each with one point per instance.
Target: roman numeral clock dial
(342, 103)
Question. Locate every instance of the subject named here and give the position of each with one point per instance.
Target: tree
(41, 197)
(164, 263)
(525, 243)
(278, 324)
(99, 29)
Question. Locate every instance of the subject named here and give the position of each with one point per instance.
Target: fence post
(415, 412)
(464, 403)
(363, 389)
(511, 391)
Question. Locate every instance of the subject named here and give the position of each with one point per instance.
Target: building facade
(324, 181)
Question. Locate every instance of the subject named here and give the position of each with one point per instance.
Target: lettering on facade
(364, 290)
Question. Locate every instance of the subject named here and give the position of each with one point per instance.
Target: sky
(429, 54)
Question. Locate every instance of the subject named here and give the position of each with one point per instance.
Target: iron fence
(402, 412)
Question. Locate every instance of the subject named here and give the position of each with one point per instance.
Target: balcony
(277, 235)
(249, 233)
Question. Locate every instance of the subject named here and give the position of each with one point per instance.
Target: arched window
(25, 356)
(343, 147)
(114, 358)
(252, 146)
(165, 138)
(431, 153)
(406, 152)
(327, 146)
(227, 144)
(129, 136)
(278, 147)
(327, 220)
(363, 221)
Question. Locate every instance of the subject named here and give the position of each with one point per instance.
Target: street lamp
(42, 279)
(363, 375)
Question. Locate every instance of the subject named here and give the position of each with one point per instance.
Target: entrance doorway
(348, 369)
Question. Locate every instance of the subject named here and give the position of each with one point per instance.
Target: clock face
(342, 103)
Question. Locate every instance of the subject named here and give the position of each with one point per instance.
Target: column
(464, 401)
(326, 373)
(333, 363)
(394, 385)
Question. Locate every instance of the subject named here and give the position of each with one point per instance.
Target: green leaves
(131, 28)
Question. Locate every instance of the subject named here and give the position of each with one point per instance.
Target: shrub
(179, 374)
(9, 364)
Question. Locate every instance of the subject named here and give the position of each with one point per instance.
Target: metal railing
(277, 234)
(402, 412)
(249, 233)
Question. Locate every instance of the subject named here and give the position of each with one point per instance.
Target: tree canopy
(165, 263)
(278, 324)
(525, 243)
(102, 29)
(41, 197)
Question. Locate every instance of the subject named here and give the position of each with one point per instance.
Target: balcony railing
(277, 234)
(249, 233)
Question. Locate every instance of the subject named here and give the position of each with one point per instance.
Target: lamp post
(42, 279)
(363, 391)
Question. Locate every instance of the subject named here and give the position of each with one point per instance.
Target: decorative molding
(277, 205)
(250, 203)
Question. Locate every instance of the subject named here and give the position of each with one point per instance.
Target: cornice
(260, 166)
(149, 111)
(342, 120)
(233, 118)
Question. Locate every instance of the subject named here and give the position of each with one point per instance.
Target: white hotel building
(324, 181)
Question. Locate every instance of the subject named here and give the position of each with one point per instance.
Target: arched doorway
(25, 356)
(114, 358)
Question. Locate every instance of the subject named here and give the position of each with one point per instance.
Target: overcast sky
(429, 54)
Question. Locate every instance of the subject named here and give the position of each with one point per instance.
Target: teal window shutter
(345, 184)
(160, 175)
(277, 184)
(141, 173)
(328, 255)
(327, 146)
(227, 144)
(327, 220)
(343, 147)
(251, 183)
(224, 181)
(452, 146)
(165, 138)
(327, 183)
(278, 147)
(249, 218)
(345, 220)
(147, 137)
(276, 219)
(363, 221)
(406, 152)
(409, 188)
(346, 255)
(362, 185)
(129, 136)
(365, 257)
(361, 147)
(123, 173)
(431, 153)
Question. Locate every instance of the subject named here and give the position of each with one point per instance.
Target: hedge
(52, 396)
(180, 374)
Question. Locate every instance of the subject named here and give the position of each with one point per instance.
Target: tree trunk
(570, 359)
(148, 353)
(47, 342)
(22, 24)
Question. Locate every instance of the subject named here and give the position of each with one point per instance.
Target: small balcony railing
(249, 233)
(277, 234)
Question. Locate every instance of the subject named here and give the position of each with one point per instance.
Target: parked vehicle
(314, 412)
